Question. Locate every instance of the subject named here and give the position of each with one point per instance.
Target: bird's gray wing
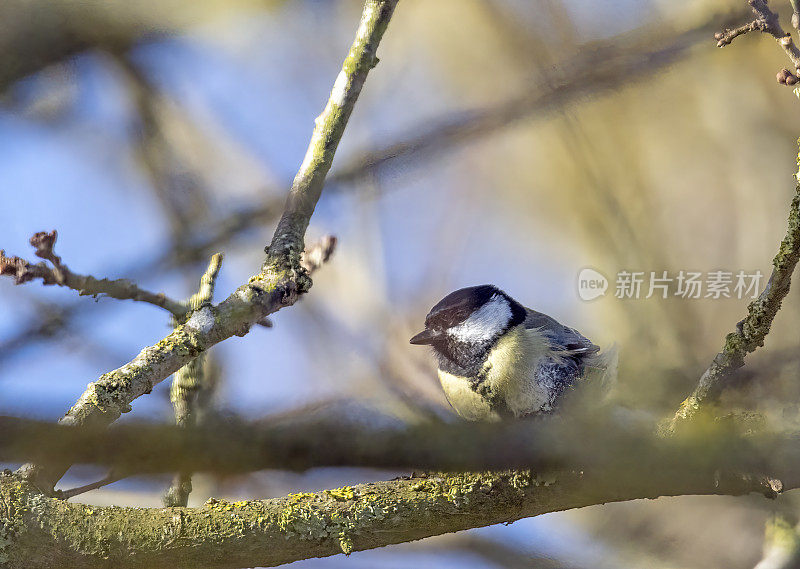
(563, 337)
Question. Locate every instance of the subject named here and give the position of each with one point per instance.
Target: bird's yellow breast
(464, 400)
(509, 370)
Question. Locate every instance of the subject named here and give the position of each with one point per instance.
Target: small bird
(499, 360)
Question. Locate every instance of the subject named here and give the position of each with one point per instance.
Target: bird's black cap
(458, 306)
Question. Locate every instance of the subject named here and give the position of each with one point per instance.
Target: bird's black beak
(427, 336)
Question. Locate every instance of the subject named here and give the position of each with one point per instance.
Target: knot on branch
(44, 243)
(296, 268)
(23, 271)
(786, 77)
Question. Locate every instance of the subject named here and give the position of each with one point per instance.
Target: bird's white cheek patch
(485, 323)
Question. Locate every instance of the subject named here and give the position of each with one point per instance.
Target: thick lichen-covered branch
(281, 280)
(36, 531)
(57, 273)
(750, 332)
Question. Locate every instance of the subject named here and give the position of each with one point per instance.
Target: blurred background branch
(192, 386)
(38, 33)
(762, 462)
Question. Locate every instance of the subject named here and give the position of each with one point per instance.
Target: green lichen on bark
(344, 493)
(46, 532)
(317, 517)
(11, 520)
(346, 515)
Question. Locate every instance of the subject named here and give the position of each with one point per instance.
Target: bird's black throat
(460, 358)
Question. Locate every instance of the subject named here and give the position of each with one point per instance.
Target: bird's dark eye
(435, 323)
(460, 316)
(447, 319)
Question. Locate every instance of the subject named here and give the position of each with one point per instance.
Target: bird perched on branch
(498, 359)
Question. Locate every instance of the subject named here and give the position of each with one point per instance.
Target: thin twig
(767, 21)
(57, 273)
(725, 37)
(72, 492)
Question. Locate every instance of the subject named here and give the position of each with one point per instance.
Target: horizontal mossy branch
(577, 463)
(41, 532)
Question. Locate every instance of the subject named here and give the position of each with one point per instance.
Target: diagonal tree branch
(329, 127)
(750, 332)
(282, 278)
